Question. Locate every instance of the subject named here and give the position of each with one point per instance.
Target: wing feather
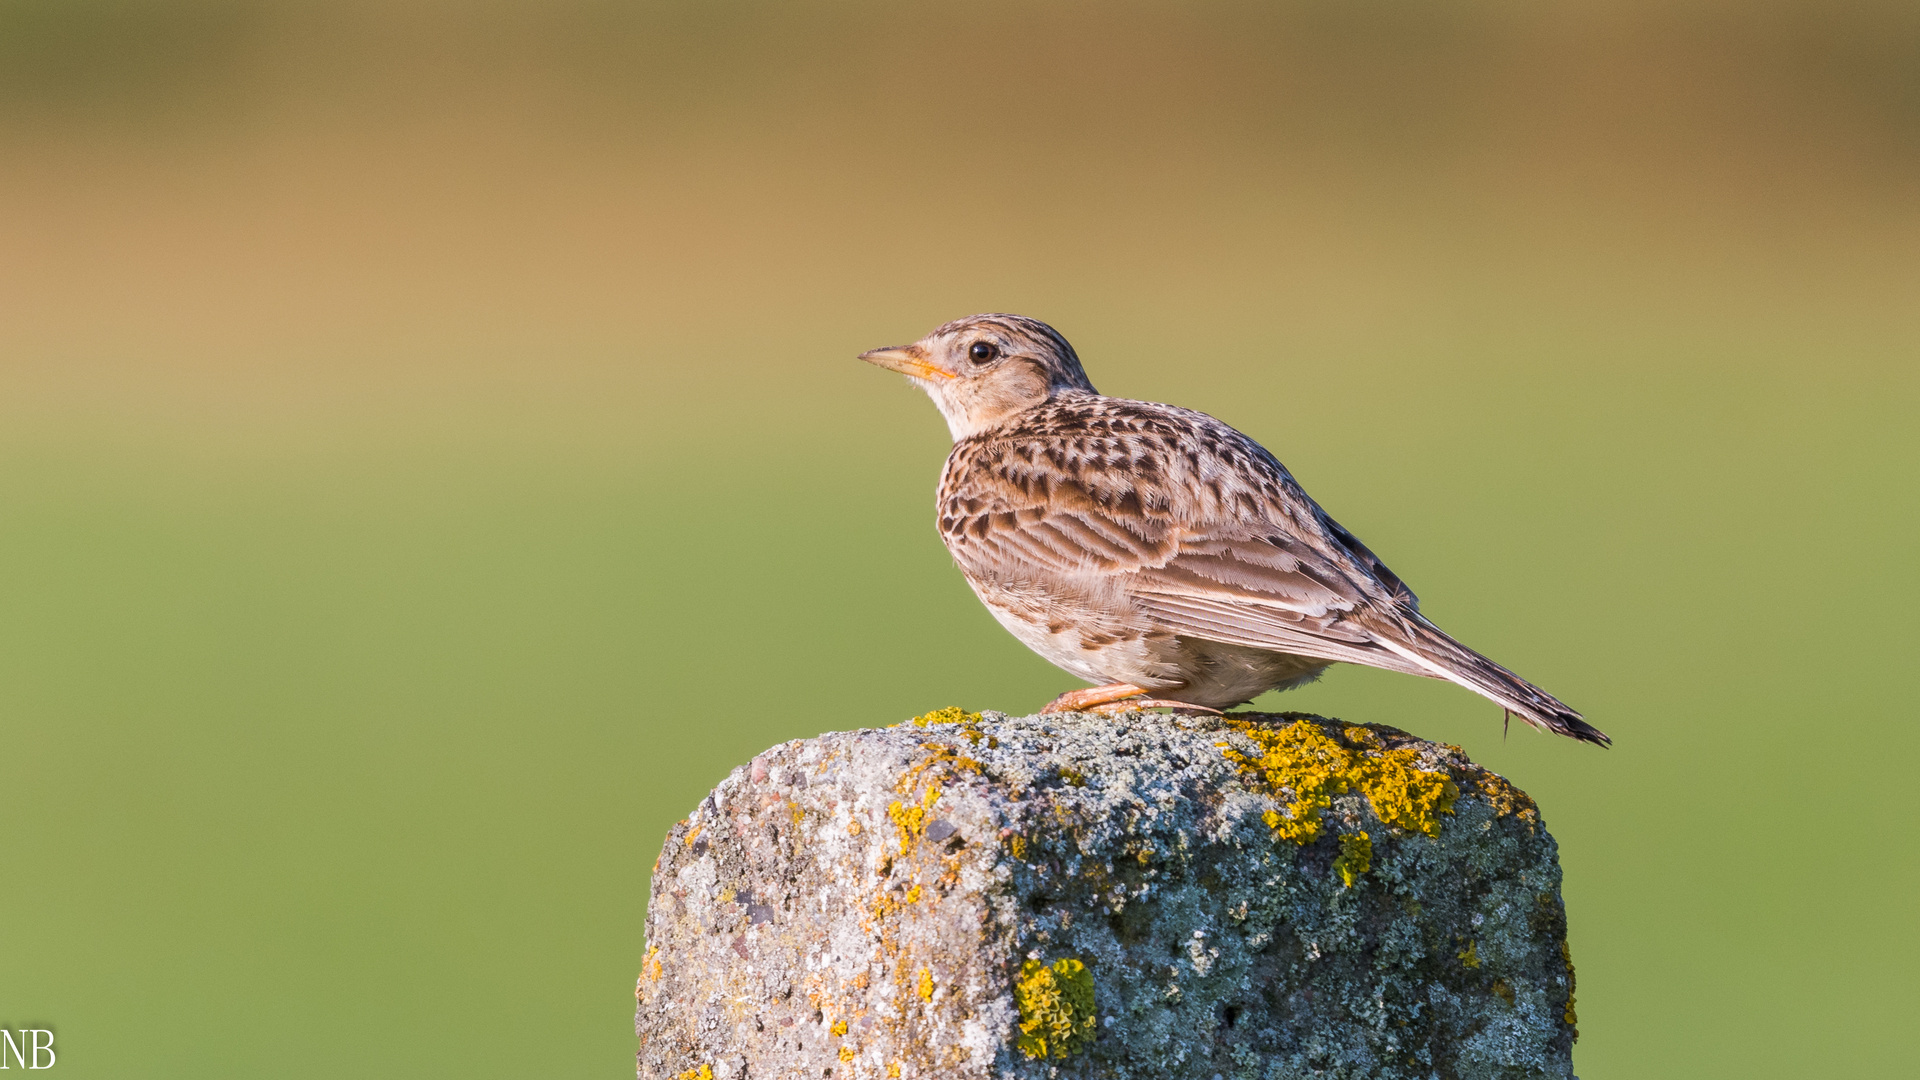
(1204, 534)
(1236, 567)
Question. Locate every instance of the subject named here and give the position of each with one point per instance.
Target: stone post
(1144, 896)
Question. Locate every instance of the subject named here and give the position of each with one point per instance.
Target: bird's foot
(1115, 708)
(1085, 700)
(1116, 698)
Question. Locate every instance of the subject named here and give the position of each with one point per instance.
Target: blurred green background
(431, 455)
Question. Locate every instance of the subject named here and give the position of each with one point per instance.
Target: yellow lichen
(704, 1072)
(1401, 792)
(692, 834)
(846, 1053)
(1303, 760)
(883, 905)
(926, 984)
(1056, 1008)
(1073, 776)
(853, 828)
(1470, 956)
(651, 965)
(942, 755)
(726, 896)
(893, 1071)
(1016, 846)
(913, 895)
(1356, 857)
(953, 714)
(1566, 956)
(1507, 799)
(839, 1028)
(910, 822)
(1503, 991)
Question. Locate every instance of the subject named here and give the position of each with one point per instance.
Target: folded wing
(1269, 572)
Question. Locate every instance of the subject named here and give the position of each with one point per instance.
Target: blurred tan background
(431, 456)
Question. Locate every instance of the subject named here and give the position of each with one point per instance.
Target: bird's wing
(1365, 556)
(1221, 544)
(1208, 536)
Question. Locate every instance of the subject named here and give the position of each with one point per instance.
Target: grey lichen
(1076, 896)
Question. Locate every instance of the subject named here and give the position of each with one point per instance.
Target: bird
(1155, 551)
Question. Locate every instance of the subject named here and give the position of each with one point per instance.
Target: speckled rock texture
(1142, 896)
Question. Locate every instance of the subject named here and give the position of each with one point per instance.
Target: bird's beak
(907, 360)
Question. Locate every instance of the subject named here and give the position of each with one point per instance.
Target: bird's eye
(982, 352)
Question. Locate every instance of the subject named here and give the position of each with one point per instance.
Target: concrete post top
(978, 895)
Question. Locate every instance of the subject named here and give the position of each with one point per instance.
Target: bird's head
(983, 370)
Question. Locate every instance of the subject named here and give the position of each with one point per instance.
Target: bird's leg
(1082, 700)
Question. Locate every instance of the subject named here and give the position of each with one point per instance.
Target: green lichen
(1356, 857)
(1056, 1008)
(1313, 766)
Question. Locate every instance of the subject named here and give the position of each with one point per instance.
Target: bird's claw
(1115, 708)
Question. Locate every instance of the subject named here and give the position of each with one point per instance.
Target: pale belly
(1101, 639)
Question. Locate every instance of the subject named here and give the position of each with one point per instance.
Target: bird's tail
(1429, 648)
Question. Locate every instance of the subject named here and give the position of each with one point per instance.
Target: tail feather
(1429, 647)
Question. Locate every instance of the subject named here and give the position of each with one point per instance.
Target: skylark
(1156, 551)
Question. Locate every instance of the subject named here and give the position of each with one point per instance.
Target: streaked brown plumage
(1156, 550)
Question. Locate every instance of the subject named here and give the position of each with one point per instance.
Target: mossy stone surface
(1133, 897)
